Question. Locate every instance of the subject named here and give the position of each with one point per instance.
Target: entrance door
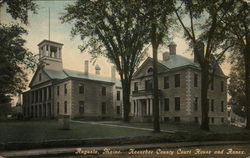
(144, 107)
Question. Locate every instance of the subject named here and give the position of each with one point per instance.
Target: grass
(184, 127)
(44, 134)
(39, 131)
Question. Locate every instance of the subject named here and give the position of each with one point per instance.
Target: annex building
(179, 89)
(55, 90)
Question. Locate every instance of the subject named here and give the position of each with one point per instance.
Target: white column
(60, 53)
(137, 107)
(57, 52)
(151, 107)
(47, 94)
(44, 51)
(50, 55)
(147, 105)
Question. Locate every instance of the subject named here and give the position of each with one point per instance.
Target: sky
(38, 30)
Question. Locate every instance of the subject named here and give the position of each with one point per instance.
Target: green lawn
(182, 127)
(37, 131)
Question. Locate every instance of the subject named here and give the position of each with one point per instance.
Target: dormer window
(150, 70)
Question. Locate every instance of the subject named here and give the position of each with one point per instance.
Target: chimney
(165, 56)
(97, 69)
(86, 67)
(172, 48)
(113, 71)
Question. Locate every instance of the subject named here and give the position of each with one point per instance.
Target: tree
(18, 9)
(14, 57)
(159, 20)
(236, 87)
(238, 34)
(206, 34)
(115, 29)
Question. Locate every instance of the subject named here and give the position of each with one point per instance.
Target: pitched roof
(175, 61)
(77, 74)
(55, 74)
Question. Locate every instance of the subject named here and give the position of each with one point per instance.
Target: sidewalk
(122, 126)
(72, 150)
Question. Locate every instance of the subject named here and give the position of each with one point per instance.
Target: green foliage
(14, 57)
(236, 88)
(18, 9)
(113, 29)
(237, 28)
(14, 60)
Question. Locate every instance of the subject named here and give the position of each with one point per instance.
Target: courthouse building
(54, 90)
(179, 89)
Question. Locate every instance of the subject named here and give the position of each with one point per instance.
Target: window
(44, 110)
(177, 103)
(222, 120)
(103, 91)
(58, 90)
(196, 120)
(40, 95)
(81, 107)
(40, 77)
(45, 93)
(118, 95)
(81, 89)
(222, 106)
(212, 84)
(212, 120)
(148, 84)
(221, 86)
(49, 109)
(118, 109)
(212, 105)
(49, 92)
(208, 103)
(166, 82)
(65, 89)
(195, 80)
(166, 104)
(32, 97)
(166, 119)
(58, 107)
(32, 111)
(150, 70)
(65, 107)
(40, 110)
(177, 119)
(196, 104)
(36, 92)
(103, 107)
(177, 80)
(136, 86)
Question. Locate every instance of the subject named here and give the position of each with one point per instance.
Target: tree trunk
(126, 100)
(155, 44)
(247, 79)
(204, 101)
(204, 64)
(156, 92)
